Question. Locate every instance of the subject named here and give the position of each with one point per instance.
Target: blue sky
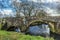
(6, 8)
(50, 7)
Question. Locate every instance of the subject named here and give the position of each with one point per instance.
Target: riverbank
(4, 35)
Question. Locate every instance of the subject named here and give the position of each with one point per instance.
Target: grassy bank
(4, 35)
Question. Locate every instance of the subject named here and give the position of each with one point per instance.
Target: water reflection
(42, 29)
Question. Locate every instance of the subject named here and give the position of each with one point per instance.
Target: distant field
(4, 35)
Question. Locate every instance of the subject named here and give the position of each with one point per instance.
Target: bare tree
(41, 13)
(58, 8)
(26, 8)
(16, 5)
(1, 14)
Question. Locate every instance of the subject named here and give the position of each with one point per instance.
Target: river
(42, 29)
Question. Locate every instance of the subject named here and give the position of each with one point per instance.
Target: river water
(42, 29)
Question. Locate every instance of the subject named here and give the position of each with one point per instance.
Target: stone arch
(51, 24)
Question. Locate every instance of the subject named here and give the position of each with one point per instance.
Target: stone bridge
(53, 22)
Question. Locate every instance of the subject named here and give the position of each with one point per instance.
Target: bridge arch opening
(13, 28)
(39, 28)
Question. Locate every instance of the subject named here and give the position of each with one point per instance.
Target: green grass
(0, 25)
(4, 35)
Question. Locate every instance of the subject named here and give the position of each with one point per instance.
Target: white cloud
(45, 1)
(55, 15)
(34, 0)
(7, 11)
(52, 0)
(21, 14)
(52, 12)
